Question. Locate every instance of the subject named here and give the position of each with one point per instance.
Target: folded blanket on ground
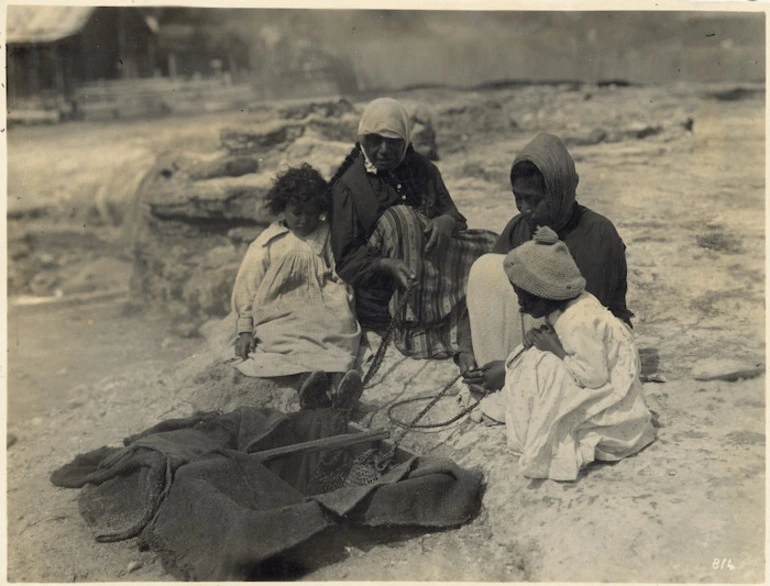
(190, 490)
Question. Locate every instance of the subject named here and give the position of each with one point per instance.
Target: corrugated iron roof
(44, 24)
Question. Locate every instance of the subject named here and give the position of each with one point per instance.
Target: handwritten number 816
(722, 564)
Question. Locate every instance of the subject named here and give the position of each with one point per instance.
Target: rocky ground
(680, 171)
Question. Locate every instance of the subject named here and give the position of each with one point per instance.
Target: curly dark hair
(298, 185)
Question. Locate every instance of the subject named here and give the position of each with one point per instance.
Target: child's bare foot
(349, 391)
(313, 391)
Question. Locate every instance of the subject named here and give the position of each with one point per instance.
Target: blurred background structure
(98, 62)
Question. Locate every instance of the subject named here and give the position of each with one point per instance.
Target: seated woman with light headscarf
(394, 228)
(544, 183)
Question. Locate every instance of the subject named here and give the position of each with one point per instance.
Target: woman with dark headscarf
(395, 225)
(544, 181)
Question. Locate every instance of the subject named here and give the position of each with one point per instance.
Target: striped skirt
(428, 326)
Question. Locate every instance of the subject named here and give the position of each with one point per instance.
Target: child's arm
(328, 257)
(582, 352)
(545, 339)
(586, 359)
(247, 281)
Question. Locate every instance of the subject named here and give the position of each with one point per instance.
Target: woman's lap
(493, 308)
(432, 315)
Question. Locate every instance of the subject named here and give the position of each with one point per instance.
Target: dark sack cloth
(191, 491)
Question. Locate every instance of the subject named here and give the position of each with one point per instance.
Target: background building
(52, 50)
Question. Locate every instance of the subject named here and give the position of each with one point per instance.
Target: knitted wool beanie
(544, 267)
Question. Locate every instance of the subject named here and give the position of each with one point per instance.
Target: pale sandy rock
(179, 222)
(207, 291)
(244, 234)
(726, 369)
(226, 198)
(323, 155)
(106, 273)
(299, 109)
(197, 166)
(219, 386)
(343, 129)
(261, 137)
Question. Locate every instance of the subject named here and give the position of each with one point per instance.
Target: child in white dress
(294, 314)
(572, 392)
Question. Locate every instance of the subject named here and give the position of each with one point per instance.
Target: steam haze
(396, 49)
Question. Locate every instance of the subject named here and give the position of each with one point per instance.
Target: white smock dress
(289, 296)
(563, 414)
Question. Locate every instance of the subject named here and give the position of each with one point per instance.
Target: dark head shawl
(548, 153)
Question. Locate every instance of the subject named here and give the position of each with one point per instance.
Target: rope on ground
(379, 356)
(400, 423)
(380, 462)
(412, 424)
(436, 398)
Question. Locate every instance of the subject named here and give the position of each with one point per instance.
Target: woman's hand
(438, 232)
(398, 270)
(491, 376)
(245, 344)
(466, 362)
(545, 339)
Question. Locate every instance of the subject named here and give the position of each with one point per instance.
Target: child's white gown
(563, 414)
(300, 310)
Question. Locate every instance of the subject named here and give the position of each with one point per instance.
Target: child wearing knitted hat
(572, 392)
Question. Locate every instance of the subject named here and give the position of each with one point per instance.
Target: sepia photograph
(425, 292)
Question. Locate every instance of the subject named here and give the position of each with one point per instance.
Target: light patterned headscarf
(388, 118)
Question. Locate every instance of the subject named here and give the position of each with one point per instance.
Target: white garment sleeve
(250, 274)
(583, 339)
